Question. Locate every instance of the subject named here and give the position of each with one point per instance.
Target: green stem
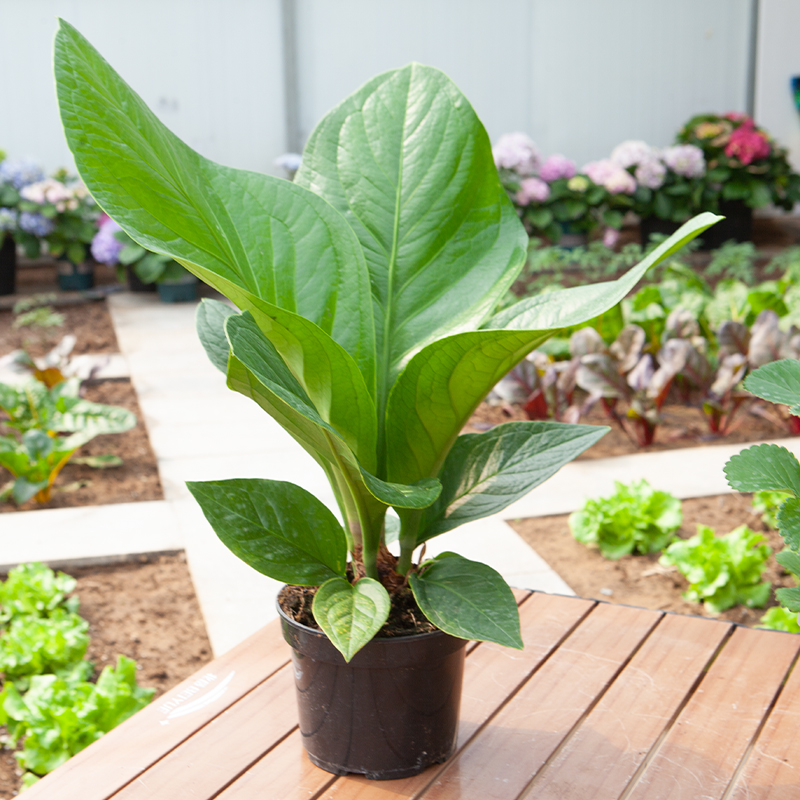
(409, 526)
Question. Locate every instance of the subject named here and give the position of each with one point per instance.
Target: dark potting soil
(405, 617)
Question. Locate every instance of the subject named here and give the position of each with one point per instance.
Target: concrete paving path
(200, 430)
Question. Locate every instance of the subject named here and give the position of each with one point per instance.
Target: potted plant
(551, 198)
(746, 170)
(14, 176)
(59, 212)
(146, 271)
(367, 291)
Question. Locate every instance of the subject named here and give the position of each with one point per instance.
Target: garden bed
(682, 426)
(145, 610)
(639, 580)
(78, 485)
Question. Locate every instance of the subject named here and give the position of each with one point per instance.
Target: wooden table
(606, 701)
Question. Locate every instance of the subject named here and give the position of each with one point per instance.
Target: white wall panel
(778, 60)
(211, 69)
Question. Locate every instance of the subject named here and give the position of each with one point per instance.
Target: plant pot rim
(382, 639)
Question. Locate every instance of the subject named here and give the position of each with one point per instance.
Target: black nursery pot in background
(8, 265)
(737, 225)
(389, 713)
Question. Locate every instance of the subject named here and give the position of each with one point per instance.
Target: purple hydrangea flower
(20, 172)
(105, 245)
(650, 173)
(532, 190)
(516, 151)
(634, 151)
(685, 159)
(555, 167)
(35, 224)
(8, 219)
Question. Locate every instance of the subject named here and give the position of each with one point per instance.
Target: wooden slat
(206, 762)
(491, 672)
(699, 756)
(604, 753)
(105, 766)
(500, 762)
(773, 770)
(285, 773)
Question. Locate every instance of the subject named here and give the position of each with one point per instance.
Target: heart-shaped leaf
(485, 472)
(467, 599)
(764, 467)
(350, 614)
(210, 323)
(277, 528)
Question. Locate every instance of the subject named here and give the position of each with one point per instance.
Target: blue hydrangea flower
(20, 172)
(8, 219)
(35, 224)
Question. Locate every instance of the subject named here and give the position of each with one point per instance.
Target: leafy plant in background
(376, 381)
(743, 162)
(779, 618)
(722, 571)
(772, 468)
(635, 519)
(767, 504)
(112, 246)
(46, 702)
(46, 426)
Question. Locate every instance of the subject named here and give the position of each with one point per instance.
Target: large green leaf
(277, 528)
(467, 599)
(789, 598)
(764, 467)
(778, 382)
(256, 370)
(269, 236)
(789, 522)
(485, 472)
(443, 384)
(210, 323)
(409, 164)
(351, 614)
(789, 559)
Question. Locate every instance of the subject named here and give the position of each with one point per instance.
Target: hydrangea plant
(367, 291)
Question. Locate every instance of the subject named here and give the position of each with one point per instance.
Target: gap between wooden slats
(770, 769)
(708, 740)
(112, 762)
(611, 742)
(499, 763)
(491, 672)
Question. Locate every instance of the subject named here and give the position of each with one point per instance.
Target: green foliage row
(47, 702)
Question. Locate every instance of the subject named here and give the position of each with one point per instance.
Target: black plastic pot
(182, 291)
(737, 225)
(136, 284)
(8, 265)
(390, 713)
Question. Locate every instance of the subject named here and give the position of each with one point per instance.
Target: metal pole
(290, 77)
(752, 57)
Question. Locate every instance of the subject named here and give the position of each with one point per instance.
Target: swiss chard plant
(722, 571)
(366, 291)
(772, 468)
(45, 427)
(635, 519)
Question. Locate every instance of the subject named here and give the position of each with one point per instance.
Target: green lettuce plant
(367, 291)
(767, 504)
(779, 618)
(722, 570)
(636, 518)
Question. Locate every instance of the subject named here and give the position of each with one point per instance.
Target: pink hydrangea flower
(621, 182)
(738, 115)
(611, 176)
(747, 144)
(532, 190)
(516, 151)
(557, 166)
(685, 159)
(650, 173)
(634, 151)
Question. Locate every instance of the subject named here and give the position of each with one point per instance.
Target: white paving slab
(92, 534)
